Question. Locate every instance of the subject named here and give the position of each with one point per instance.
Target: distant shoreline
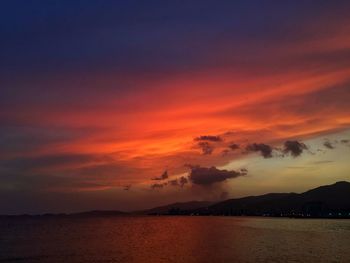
(77, 216)
(329, 201)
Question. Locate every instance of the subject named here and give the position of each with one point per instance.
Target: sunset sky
(132, 104)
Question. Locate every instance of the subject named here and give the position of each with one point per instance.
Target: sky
(132, 104)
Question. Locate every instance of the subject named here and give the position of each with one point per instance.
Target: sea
(153, 239)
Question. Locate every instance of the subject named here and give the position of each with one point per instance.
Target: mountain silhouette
(324, 201)
(331, 201)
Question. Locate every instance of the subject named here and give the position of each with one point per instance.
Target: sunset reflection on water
(174, 239)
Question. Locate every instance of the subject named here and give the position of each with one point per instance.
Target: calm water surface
(174, 239)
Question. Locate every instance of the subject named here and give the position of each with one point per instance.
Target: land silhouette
(329, 201)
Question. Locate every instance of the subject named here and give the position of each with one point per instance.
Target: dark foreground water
(174, 239)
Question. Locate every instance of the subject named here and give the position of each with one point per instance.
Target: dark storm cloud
(264, 149)
(208, 176)
(210, 138)
(206, 148)
(295, 148)
(328, 145)
(164, 176)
